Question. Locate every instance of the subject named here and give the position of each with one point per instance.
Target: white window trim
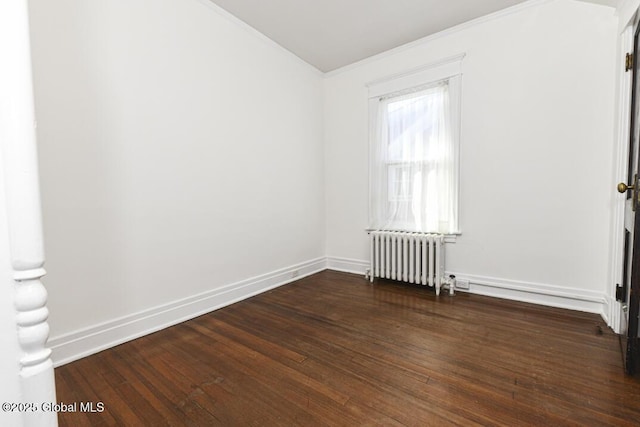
(448, 238)
(430, 73)
(445, 69)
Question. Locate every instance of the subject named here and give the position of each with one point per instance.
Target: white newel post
(22, 206)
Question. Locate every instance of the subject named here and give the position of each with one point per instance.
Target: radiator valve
(452, 284)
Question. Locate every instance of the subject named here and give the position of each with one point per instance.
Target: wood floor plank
(229, 387)
(332, 349)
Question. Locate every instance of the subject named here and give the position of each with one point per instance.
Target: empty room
(244, 212)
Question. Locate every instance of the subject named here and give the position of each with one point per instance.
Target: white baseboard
(347, 265)
(606, 314)
(536, 293)
(72, 346)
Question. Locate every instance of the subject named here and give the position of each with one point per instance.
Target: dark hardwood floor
(331, 349)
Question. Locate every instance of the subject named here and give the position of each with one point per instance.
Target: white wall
(187, 161)
(180, 152)
(536, 151)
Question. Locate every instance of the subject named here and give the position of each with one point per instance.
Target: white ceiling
(330, 34)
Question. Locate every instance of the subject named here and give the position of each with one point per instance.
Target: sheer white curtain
(413, 162)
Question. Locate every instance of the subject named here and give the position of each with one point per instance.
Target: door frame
(615, 315)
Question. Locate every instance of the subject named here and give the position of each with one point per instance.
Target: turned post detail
(22, 207)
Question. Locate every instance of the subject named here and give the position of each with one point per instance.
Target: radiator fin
(408, 257)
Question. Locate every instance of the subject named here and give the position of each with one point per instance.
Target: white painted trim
(24, 218)
(483, 19)
(607, 310)
(88, 341)
(448, 238)
(536, 293)
(347, 265)
(429, 73)
(249, 29)
(620, 166)
(82, 343)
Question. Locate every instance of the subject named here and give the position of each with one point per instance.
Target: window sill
(448, 238)
(451, 238)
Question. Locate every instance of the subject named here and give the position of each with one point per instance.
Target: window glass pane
(400, 183)
(412, 123)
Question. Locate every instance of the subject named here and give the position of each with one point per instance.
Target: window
(414, 122)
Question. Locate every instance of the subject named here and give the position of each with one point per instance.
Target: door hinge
(621, 293)
(628, 62)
